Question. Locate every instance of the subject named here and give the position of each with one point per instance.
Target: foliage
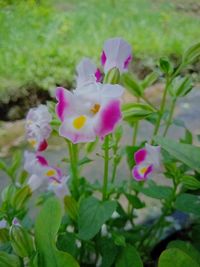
(82, 222)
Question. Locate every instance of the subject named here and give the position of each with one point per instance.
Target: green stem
(169, 121)
(106, 166)
(151, 233)
(161, 111)
(73, 154)
(114, 172)
(115, 160)
(135, 132)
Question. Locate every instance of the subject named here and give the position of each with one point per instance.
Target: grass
(41, 44)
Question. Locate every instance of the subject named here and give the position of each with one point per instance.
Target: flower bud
(113, 76)
(21, 241)
(4, 236)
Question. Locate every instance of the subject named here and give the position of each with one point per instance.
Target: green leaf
(130, 151)
(132, 85)
(136, 111)
(108, 251)
(153, 190)
(21, 197)
(46, 228)
(135, 201)
(149, 80)
(188, 138)
(190, 182)
(180, 86)
(187, 248)
(7, 260)
(92, 215)
(191, 54)
(67, 242)
(129, 257)
(188, 154)
(84, 161)
(188, 203)
(90, 147)
(176, 258)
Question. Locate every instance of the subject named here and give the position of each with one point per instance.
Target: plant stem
(73, 154)
(115, 160)
(151, 233)
(161, 111)
(106, 166)
(135, 132)
(169, 121)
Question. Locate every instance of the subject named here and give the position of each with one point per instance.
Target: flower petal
(141, 172)
(86, 71)
(112, 90)
(116, 53)
(35, 182)
(153, 155)
(109, 116)
(78, 132)
(65, 102)
(42, 146)
(140, 155)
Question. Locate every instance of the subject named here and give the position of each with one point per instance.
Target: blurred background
(41, 42)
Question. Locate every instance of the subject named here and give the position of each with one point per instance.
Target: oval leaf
(46, 228)
(92, 215)
(176, 258)
(188, 154)
(129, 257)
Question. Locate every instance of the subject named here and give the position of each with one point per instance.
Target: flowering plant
(82, 222)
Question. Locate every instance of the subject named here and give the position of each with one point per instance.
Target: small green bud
(113, 76)
(21, 241)
(166, 66)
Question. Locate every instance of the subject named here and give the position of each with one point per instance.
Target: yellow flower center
(79, 122)
(50, 173)
(143, 170)
(95, 108)
(32, 142)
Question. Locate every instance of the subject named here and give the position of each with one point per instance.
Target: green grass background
(40, 44)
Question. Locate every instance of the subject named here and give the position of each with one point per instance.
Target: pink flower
(116, 54)
(37, 127)
(148, 162)
(89, 111)
(87, 72)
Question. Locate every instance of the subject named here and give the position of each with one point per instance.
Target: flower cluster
(38, 130)
(93, 109)
(41, 171)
